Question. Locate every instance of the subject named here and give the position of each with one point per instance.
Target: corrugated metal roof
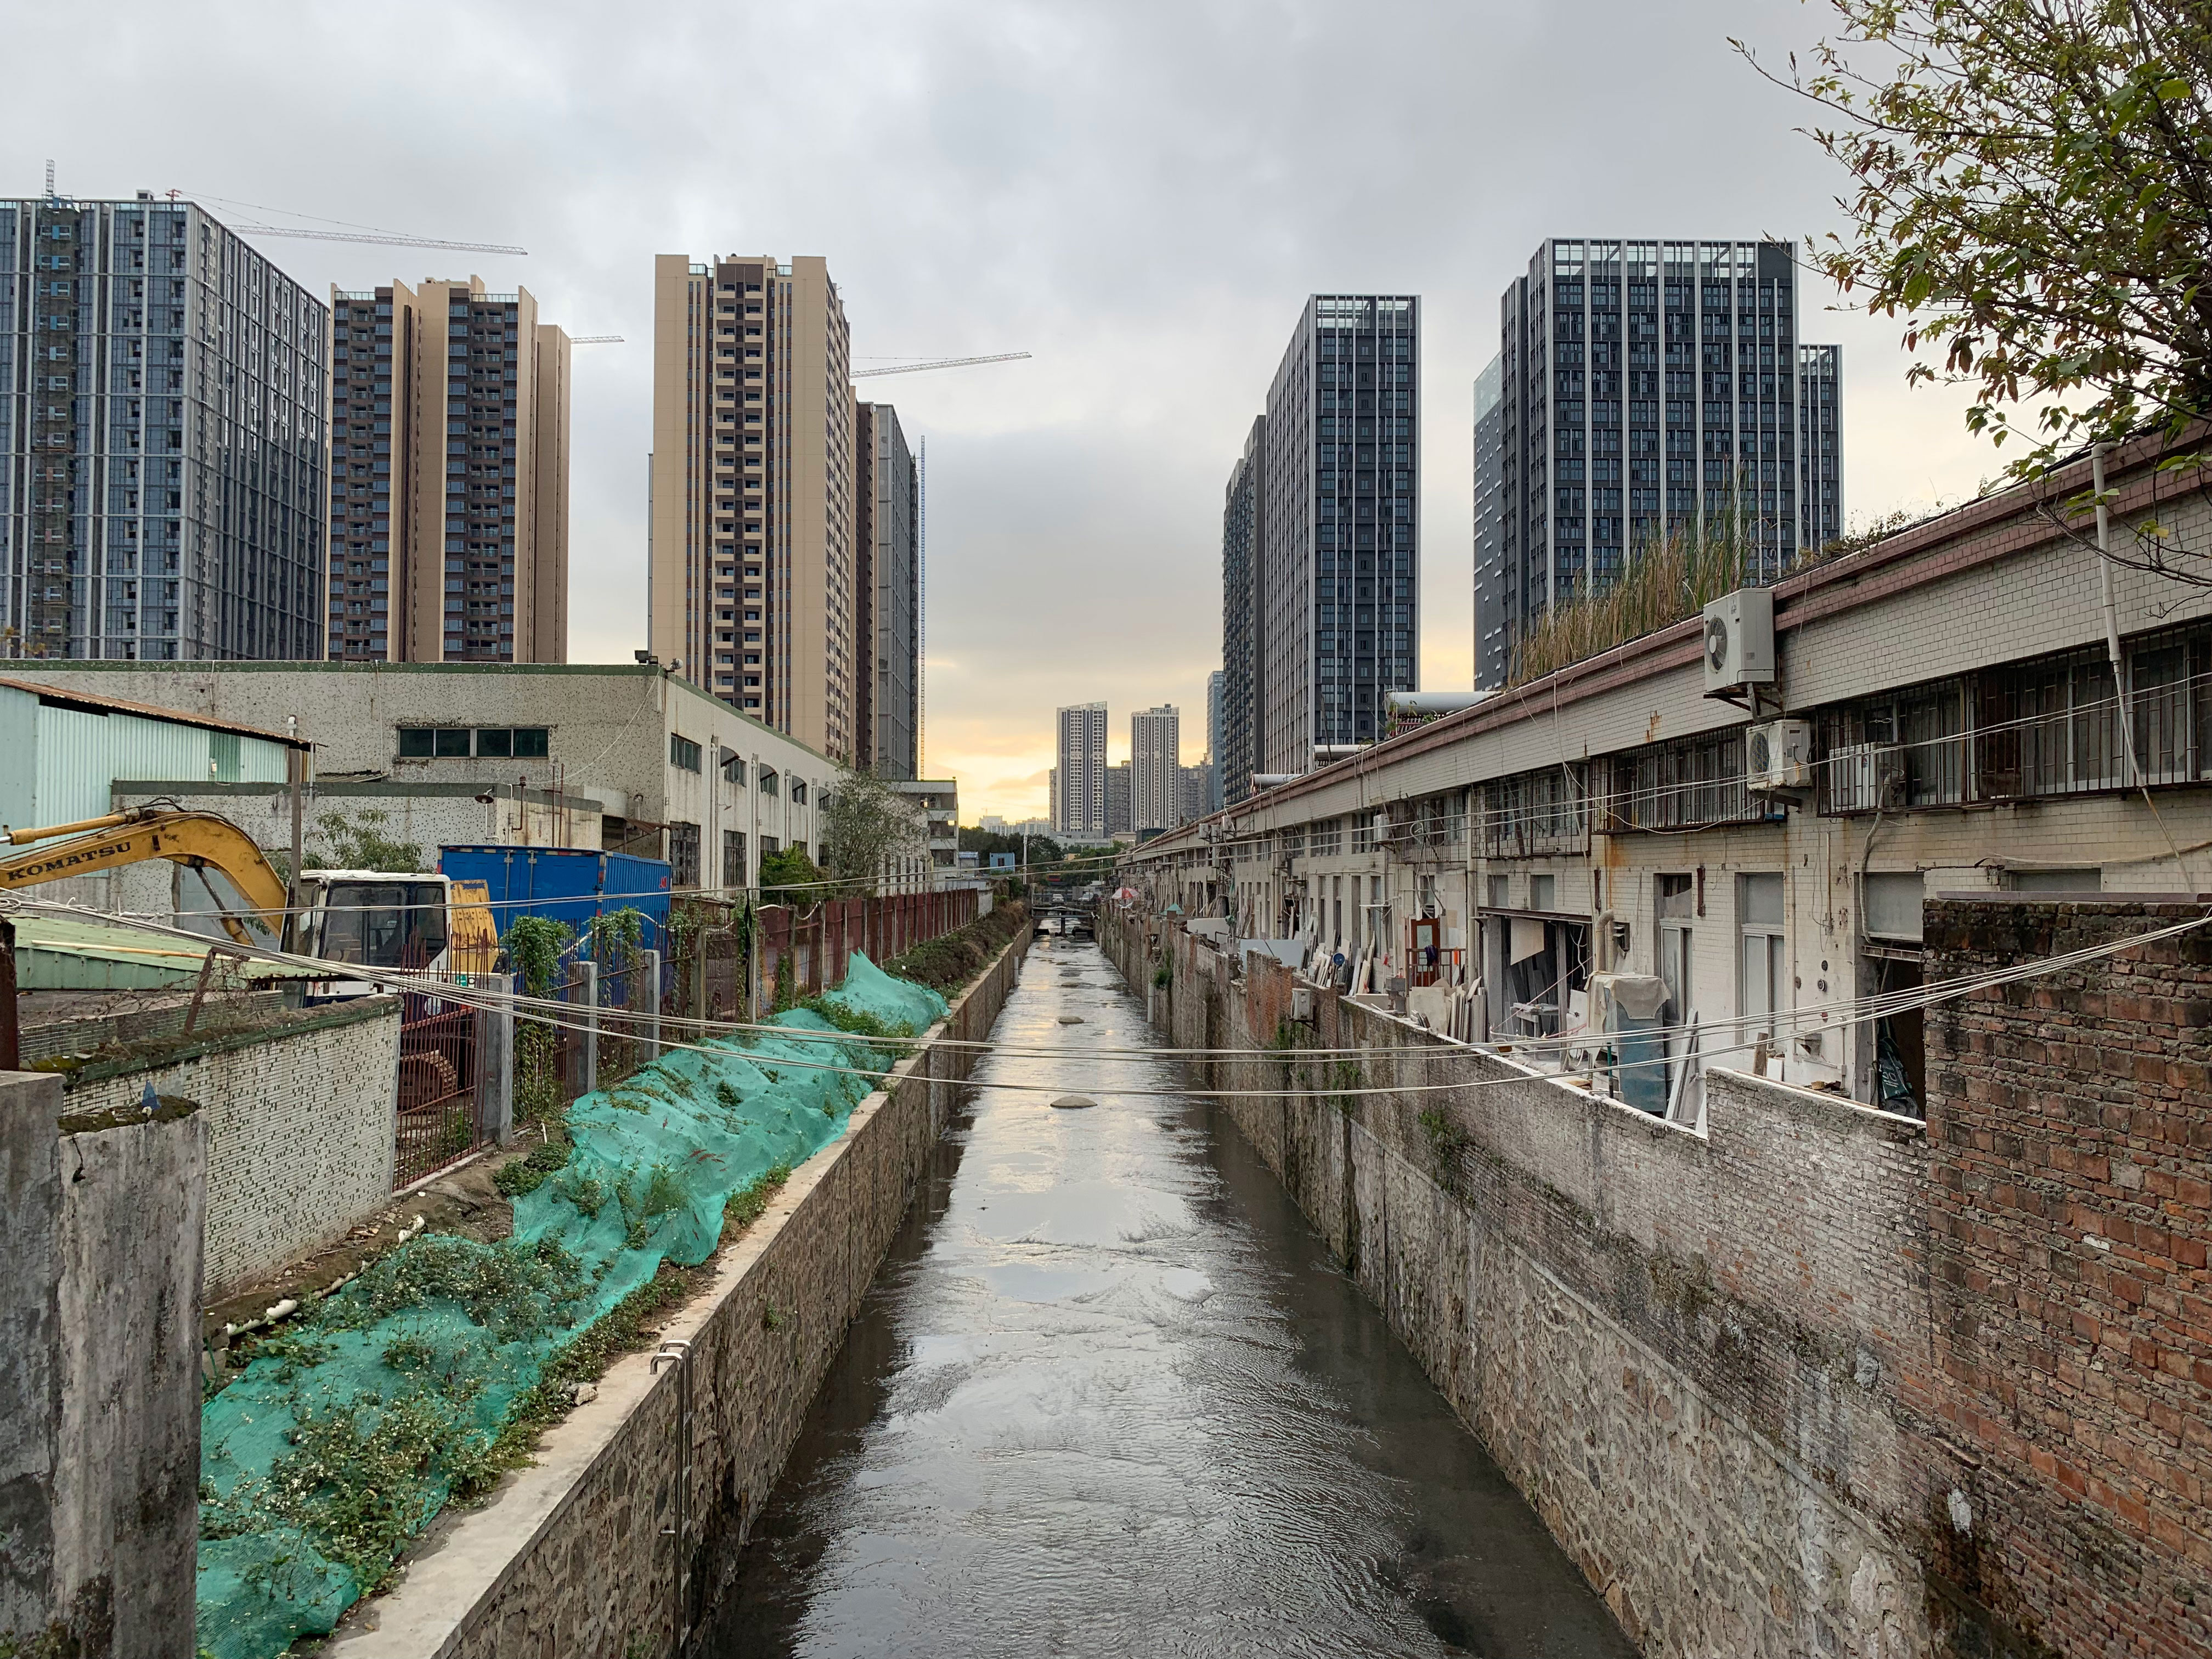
(54, 696)
(56, 954)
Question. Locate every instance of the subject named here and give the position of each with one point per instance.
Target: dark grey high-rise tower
(886, 593)
(1492, 647)
(163, 458)
(1240, 662)
(1336, 615)
(1819, 445)
(1649, 388)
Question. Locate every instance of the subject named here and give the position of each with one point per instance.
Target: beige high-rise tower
(752, 565)
(449, 477)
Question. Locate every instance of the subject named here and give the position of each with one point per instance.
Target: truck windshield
(385, 924)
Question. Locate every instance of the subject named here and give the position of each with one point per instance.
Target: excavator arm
(200, 841)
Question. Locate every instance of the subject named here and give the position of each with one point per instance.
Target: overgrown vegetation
(787, 876)
(946, 964)
(870, 830)
(2032, 193)
(527, 1175)
(337, 841)
(1665, 582)
(534, 947)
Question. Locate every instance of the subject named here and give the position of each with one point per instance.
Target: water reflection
(1110, 1396)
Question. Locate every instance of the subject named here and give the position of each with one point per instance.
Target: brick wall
(2070, 1125)
(300, 1119)
(1683, 1348)
(1815, 1380)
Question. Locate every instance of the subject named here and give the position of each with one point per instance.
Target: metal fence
(439, 1119)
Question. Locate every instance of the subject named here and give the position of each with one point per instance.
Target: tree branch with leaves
(2032, 194)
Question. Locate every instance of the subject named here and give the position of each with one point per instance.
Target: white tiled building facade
(1964, 734)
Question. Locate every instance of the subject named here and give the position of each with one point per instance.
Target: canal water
(1109, 1395)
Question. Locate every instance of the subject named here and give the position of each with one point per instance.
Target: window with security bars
(1687, 784)
(1535, 814)
(2047, 727)
(682, 855)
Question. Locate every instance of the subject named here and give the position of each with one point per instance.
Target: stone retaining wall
(1683, 1347)
(569, 1557)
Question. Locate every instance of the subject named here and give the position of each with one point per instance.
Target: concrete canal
(1109, 1395)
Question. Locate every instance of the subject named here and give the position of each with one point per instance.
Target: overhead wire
(1855, 1012)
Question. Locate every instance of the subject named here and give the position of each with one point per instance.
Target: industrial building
(1940, 716)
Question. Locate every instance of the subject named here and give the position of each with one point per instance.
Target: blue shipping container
(568, 883)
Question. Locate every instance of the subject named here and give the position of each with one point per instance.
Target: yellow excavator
(446, 923)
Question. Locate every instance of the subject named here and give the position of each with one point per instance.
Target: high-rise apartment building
(1336, 619)
(1155, 768)
(1493, 647)
(1217, 687)
(1819, 445)
(887, 587)
(753, 576)
(1119, 819)
(1236, 748)
(449, 477)
(1079, 806)
(162, 449)
(1197, 792)
(1649, 389)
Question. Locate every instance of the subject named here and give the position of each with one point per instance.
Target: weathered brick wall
(300, 1125)
(1815, 1380)
(2070, 1119)
(569, 1557)
(1683, 1348)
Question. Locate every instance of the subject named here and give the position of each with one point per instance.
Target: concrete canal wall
(572, 1555)
(1726, 1365)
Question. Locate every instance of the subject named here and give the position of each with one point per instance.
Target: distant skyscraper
(752, 584)
(1236, 748)
(1118, 819)
(1155, 766)
(1079, 780)
(1492, 646)
(1216, 713)
(1337, 618)
(1820, 445)
(449, 477)
(1197, 792)
(162, 444)
(887, 591)
(1647, 387)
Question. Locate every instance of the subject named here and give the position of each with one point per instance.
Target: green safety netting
(344, 1438)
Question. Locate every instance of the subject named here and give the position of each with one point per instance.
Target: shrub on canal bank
(946, 964)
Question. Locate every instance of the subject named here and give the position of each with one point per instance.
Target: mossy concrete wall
(570, 1556)
(99, 1381)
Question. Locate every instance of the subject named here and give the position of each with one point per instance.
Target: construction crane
(942, 363)
(595, 339)
(364, 233)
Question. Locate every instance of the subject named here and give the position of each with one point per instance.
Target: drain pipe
(2120, 690)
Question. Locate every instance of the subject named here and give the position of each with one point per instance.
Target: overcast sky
(1140, 194)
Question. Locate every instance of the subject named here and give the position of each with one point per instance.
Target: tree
(787, 876)
(868, 830)
(339, 842)
(2033, 194)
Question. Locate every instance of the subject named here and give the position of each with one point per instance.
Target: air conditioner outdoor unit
(1740, 640)
(1865, 777)
(1777, 757)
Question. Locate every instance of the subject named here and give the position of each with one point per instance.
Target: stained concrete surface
(1109, 1395)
